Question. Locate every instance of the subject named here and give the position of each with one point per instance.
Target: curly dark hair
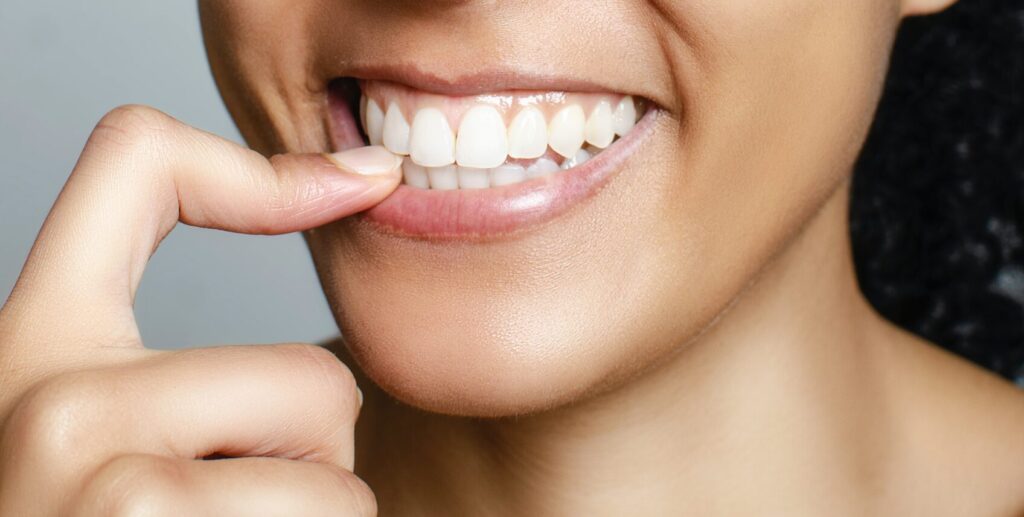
(937, 212)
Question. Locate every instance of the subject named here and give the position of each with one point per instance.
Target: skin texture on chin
(766, 106)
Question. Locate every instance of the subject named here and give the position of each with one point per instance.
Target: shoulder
(958, 430)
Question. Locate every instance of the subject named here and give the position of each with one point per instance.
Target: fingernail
(360, 393)
(368, 161)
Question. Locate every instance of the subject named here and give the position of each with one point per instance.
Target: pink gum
(507, 103)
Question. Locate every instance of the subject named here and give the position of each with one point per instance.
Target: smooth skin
(735, 370)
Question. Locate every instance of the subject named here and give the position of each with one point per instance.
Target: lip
(477, 83)
(467, 214)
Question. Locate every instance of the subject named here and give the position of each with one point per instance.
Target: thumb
(304, 191)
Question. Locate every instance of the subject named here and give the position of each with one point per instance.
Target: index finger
(143, 171)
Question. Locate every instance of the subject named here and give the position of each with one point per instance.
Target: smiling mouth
(491, 164)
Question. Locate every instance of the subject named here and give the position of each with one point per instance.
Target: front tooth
(472, 177)
(431, 142)
(507, 175)
(541, 167)
(625, 116)
(599, 130)
(443, 178)
(482, 140)
(581, 157)
(374, 122)
(565, 134)
(396, 131)
(415, 175)
(528, 134)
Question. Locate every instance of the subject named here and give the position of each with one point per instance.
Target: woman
(616, 279)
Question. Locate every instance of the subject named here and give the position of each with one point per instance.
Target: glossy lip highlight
(486, 213)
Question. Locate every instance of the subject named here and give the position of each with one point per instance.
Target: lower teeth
(452, 177)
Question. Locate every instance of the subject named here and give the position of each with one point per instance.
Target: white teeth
(374, 122)
(625, 116)
(581, 157)
(471, 177)
(396, 131)
(482, 140)
(431, 142)
(415, 175)
(443, 178)
(528, 134)
(507, 175)
(477, 157)
(541, 167)
(599, 131)
(565, 133)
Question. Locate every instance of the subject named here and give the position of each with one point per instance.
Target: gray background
(62, 66)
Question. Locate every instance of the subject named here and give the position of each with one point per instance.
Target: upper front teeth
(528, 134)
(431, 143)
(483, 141)
(396, 130)
(481, 151)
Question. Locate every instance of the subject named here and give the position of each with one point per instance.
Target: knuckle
(132, 485)
(135, 117)
(325, 369)
(55, 417)
(129, 128)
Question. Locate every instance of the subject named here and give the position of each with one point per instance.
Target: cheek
(777, 111)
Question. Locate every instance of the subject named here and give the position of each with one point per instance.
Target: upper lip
(476, 83)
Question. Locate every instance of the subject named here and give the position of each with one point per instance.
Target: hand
(92, 423)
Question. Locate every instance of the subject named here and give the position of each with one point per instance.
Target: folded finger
(288, 401)
(156, 485)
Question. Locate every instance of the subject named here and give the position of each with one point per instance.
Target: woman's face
(528, 296)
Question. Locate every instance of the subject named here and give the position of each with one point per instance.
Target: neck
(773, 401)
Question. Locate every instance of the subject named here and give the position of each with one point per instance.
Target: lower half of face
(587, 184)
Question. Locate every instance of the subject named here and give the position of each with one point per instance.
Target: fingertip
(314, 189)
(373, 160)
